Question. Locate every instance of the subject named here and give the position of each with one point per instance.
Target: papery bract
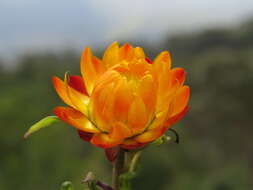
(123, 99)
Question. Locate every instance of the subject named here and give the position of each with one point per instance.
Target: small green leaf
(45, 122)
(67, 185)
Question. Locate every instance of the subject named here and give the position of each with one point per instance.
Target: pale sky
(55, 24)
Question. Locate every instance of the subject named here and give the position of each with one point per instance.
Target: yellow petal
(139, 53)
(111, 55)
(162, 61)
(79, 100)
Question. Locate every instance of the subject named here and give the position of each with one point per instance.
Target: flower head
(123, 99)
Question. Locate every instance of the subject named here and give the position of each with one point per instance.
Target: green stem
(134, 161)
(124, 169)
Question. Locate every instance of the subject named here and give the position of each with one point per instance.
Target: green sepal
(67, 185)
(45, 122)
(161, 140)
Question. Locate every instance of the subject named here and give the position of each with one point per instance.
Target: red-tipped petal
(85, 136)
(126, 52)
(79, 100)
(77, 83)
(131, 144)
(177, 117)
(148, 60)
(103, 140)
(181, 100)
(112, 153)
(75, 118)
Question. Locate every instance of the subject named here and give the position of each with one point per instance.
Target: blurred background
(213, 40)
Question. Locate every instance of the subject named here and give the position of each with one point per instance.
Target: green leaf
(67, 185)
(126, 180)
(45, 122)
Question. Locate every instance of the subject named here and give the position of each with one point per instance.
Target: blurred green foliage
(215, 152)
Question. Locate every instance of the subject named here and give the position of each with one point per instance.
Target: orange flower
(123, 99)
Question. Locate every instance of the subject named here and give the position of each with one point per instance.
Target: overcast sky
(56, 24)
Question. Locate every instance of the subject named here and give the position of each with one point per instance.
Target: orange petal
(161, 66)
(79, 100)
(107, 78)
(137, 116)
(177, 117)
(126, 52)
(139, 68)
(180, 101)
(111, 55)
(177, 76)
(102, 106)
(150, 135)
(61, 90)
(103, 140)
(87, 69)
(159, 120)
(77, 83)
(98, 65)
(75, 118)
(122, 101)
(119, 131)
(147, 91)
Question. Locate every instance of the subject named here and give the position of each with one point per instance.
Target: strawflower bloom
(123, 99)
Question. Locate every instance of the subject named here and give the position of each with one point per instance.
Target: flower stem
(118, 167)
(124, 169)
